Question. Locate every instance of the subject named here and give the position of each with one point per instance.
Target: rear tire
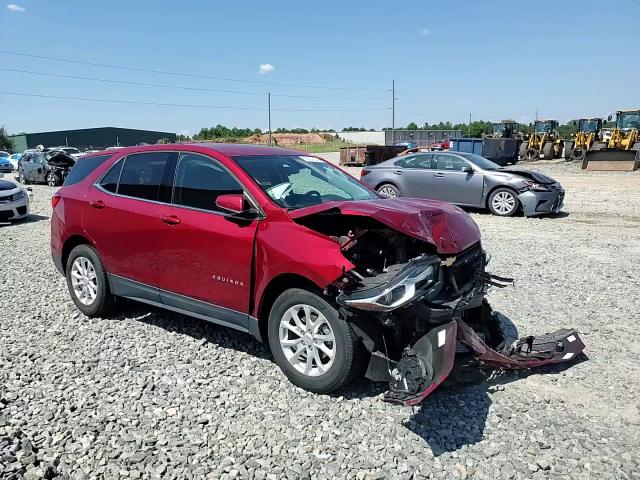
(522, 151)
(503, 202)
(88, 283)
(578, 153)
(300, 325)
(532, 154)
(568, 148)
(547, 151)
(389, 190)
(52, 179)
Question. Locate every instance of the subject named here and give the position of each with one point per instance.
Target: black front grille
(4, 216)
(462, 274)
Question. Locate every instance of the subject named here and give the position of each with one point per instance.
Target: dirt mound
(288, 139)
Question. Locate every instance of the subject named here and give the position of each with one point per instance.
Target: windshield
(294, 181)
(589, 126)
(479, 161)
(543, 127)
(4, 154)
(629, 120)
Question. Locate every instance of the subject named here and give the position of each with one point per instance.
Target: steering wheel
(313, 193)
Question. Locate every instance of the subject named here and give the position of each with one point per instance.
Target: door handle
(398, 172)
(97, 204)
(439, 175)
(170, 220)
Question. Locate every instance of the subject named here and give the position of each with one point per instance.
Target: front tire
(532, 154)
(22, 179)
(503, 202)
(87, 282)
(548, 152)
(313, 346)
(388, 190)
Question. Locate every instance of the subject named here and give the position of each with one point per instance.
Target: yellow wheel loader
(622, 150)
(544, 140)
(589, 132)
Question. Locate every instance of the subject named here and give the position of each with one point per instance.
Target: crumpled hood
(61, 159)
(442, 224)
(535, 176)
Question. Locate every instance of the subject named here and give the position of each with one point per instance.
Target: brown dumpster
(368, 155)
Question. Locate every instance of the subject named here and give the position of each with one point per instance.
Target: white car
(14, 200)
(14, 159)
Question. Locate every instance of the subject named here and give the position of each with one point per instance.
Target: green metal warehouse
(90, 138)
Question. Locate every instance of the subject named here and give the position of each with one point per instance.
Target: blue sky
(495, 59)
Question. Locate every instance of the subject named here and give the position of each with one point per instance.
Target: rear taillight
(55, 200)
(364, 172)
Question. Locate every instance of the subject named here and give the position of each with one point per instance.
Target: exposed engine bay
(415, 309)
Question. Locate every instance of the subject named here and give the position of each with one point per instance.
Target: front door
(205, 256)
(452, 184)
(416, 175)
(38, 168)
(122, 214)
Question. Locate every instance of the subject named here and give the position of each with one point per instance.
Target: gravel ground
(151, 394)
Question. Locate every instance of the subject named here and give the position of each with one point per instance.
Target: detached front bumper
(429, 361)
(538, 203)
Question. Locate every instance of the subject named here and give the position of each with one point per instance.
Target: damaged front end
(415, 308)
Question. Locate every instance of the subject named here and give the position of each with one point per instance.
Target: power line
(419, 100)
(182, 74)
(133, 102)
(178, 87)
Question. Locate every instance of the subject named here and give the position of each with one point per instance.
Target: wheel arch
(386, 182)
(275, 287)
(69, 244)
(496, 187)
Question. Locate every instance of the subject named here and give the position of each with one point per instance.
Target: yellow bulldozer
(589, 132)
(543, 140)
(622, 150)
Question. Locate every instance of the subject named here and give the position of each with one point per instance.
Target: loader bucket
(611, 160)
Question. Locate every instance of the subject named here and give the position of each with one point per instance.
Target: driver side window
(450, 162)
(199, 180)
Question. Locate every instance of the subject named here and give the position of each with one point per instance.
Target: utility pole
(393, 112)
(469, 126)
(269, 104)
(536, 114)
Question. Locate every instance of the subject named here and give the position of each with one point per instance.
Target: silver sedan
(466, 180)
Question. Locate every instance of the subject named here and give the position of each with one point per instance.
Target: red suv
(291, 249)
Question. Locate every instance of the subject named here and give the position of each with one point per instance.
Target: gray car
(466, 180)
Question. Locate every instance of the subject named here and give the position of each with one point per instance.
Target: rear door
(452, 184)
(205, 256)
(122, 217)
(416, 175)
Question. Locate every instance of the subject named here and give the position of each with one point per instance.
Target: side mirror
(231, 202)
(467, 169)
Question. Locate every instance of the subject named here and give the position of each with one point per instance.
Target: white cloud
(266, 68)
(12, 7)
(425, 31)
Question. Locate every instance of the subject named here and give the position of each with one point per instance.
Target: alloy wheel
(307, 340)
(503, 203)
(387, 192)
(84, 280)
(51, 180)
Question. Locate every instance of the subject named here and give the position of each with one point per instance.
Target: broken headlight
(410, 283)
(536, 187)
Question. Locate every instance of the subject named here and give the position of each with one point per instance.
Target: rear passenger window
(110, 180)
(200, 180)
(83, 167)
(416, 161)
(142, 174)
